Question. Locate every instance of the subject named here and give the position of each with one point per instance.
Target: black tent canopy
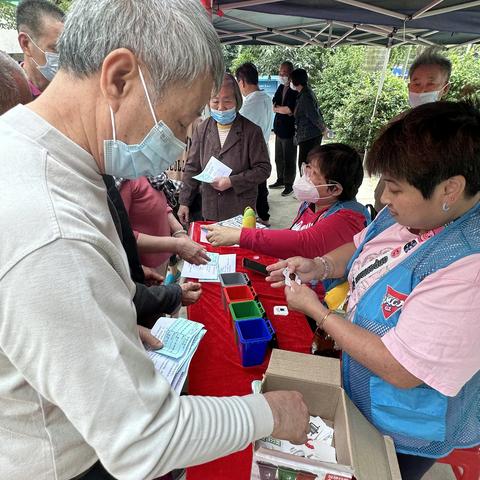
(330, 23)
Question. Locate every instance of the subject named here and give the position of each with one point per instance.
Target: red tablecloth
(216, 369)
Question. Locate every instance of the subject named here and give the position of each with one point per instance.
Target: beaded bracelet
(326, 268)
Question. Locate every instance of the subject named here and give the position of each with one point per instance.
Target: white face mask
(306, 191)
(292, 86)
(416, 99)
(284, 80)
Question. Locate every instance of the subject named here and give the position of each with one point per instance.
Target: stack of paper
(180, 338)
(210, 272)
(213, 169)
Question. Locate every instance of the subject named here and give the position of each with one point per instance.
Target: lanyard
(395, 255)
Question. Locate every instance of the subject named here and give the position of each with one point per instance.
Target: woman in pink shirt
(411, 335)
(158, 233)
(328, 217)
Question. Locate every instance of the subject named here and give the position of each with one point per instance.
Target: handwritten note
(202, 272)
(213, 169)
(226, 264)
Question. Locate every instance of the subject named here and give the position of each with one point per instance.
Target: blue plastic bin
(254, 335)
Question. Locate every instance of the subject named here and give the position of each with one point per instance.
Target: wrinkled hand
(221, 183)
(191, 251)
(151, 276)
(305, 268)
(290, 416)
(220, 236)
(191, 293)
(150, 342)
(184, 214)
(302, 299)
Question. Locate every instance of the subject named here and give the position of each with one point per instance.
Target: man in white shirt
(257, 107)
(78, 395)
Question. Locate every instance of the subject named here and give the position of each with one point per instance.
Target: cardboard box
(360, 447)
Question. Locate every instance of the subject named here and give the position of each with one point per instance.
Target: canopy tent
(330, 23)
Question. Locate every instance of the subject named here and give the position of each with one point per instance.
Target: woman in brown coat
(236, 142)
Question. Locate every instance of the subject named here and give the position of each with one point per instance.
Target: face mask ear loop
(112, 116)
(147, 95)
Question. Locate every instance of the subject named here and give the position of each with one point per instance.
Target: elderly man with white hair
(78, 395)
(13, 84)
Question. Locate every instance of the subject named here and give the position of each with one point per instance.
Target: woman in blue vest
(411, 336)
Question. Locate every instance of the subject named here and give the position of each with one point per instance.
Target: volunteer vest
(421, 420)
(347, 205)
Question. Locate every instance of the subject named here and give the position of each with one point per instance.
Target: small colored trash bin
(254, 336)
(306, 476)
(234, 278)
(267, 471)
(237, 293)
(285, 473)
(245, 310)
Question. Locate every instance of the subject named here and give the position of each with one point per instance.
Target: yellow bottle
(249, 218)
(336, 297)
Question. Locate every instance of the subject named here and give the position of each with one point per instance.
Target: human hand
(302, 299)
(190, 293)
(306, 269)
(221, 183)
(150, 341)
(184, 214)
(291, 420)
(219, 236)
(151, 276)
(191, 251)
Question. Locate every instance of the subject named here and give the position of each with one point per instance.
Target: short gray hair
(173, 38)
(9, 91)
(431, 56)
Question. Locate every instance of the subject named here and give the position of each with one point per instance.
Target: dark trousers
(304, 149)
(285, 155)
(262, 201)
(413, 467)
(97, 472)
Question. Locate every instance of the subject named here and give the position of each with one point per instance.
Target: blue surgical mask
(158, 150)
(224, 117)
(50, 68)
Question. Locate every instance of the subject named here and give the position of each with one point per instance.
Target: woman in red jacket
(329, 215)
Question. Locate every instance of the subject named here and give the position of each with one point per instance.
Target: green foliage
(465, 79)
(7, 16)
(342, 72)
(268, 59)
(352, 123)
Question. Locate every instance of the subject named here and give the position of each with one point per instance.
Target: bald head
(13, 84)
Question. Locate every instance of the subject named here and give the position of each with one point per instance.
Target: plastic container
(245, 310)
(254, 335)
(237, 293)
(306, 476)
(267, 471)
(285, 473)
(235, 278)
